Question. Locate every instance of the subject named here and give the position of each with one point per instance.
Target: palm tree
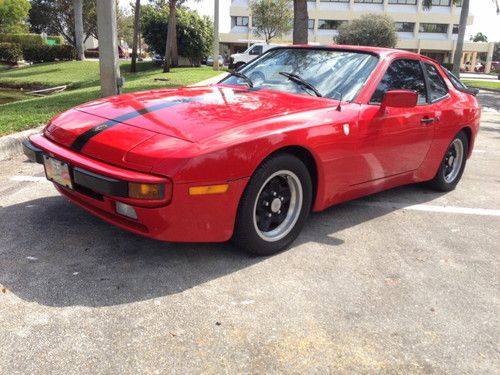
(464, 14)
(171, 56)
(300, 20)
(78, 13)
(137, 15)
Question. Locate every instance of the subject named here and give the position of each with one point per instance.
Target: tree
(496, 52)
(193, 32)
(271, 18)
(300, 21)
(137, 15)
(57, 17)
(171, 57)
(464, 14)
(78, 14)
(13, 13)
(369, 30)
(479, 37)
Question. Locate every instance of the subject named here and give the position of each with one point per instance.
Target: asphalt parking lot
(402, 282)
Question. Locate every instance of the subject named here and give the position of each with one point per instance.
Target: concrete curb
(485, 89)
(11, 145)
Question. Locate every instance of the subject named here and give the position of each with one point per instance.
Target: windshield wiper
(297, 79)
(243, 77)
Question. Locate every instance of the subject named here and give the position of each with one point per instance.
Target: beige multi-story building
(431, 32)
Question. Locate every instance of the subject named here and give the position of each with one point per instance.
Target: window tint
(402, 75)
(437, 86)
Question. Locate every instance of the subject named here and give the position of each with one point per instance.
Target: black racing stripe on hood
(86, 136)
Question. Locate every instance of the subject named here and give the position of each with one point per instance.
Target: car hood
(195, 113)
(135, 130)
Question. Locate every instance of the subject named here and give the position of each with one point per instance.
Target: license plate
(57, 171)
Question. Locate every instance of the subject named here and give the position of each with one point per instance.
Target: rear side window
(437, 85)
(402, 74)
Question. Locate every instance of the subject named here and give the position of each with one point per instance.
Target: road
(405, 281)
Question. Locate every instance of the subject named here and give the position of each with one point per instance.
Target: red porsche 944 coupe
(296, 130)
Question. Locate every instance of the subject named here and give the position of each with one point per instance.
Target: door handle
(427, 120)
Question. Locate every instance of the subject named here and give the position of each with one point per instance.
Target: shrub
(48, 53)
(369, 30)
(23, 40)
(10, 53)
(92, 54)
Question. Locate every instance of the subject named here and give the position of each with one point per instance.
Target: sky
(485, 18)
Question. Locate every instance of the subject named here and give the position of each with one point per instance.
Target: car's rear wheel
(452, 166)
(274, 206)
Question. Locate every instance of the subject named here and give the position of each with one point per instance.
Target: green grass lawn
(483, 84)
(83, 80)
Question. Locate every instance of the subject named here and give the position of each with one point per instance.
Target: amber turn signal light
(139, 190)
(210, 189)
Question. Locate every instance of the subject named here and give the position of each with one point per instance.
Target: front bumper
(187, 218)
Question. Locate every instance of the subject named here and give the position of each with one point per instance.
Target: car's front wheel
(452, 166)
(274, 206)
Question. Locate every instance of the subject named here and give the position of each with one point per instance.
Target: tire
(448, 175)
(274, 205)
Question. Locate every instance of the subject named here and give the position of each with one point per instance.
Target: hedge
(48, 53)
(23, 40)
(10, 53)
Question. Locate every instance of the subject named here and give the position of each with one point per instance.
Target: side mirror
(399, 99)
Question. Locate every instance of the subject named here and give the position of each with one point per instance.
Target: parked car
(237, 60)
(210, 61)
(158, 59)
(495, 66)
(248, 160)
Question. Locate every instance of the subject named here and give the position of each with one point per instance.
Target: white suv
(239, 59)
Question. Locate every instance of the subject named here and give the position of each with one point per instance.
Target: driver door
(393, 141)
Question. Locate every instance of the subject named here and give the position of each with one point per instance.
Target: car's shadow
(55, 254)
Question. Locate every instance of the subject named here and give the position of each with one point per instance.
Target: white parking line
(29, 179)
(429, 208)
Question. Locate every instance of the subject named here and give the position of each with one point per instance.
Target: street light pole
(108, 47)
(216, 35)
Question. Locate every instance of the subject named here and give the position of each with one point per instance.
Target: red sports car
(296, 130)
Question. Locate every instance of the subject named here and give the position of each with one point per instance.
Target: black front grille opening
(88, 192)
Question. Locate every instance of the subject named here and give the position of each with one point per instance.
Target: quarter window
(438, 88)
(402, 74)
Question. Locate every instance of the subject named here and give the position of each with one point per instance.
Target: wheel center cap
(275, 205)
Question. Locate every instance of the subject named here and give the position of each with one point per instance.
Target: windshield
(332, 73)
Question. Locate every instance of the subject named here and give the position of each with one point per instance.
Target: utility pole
(216, 35)
(108, 48)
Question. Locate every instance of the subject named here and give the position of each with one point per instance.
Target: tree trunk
(137, 15)
(78, 12)
(167, 63)
(464, 13)
(175, 55)
(300, 19)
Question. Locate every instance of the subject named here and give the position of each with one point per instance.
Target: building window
(404, 27)
(433, 28)
(441, 3)
(329, 24)
(239, 21)
(403, 2)
(455, 29)
(369, 1)
(310, 24)
(334, 1)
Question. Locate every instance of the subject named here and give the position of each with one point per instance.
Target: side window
(437, 86)
(257, 50)
(402, 74)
